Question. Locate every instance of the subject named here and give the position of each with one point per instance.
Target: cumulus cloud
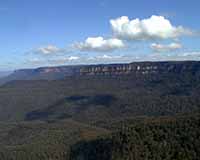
(155, 27)
(99, 44)
(165, 47)
(48, 50)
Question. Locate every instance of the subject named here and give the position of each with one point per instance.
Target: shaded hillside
(4, 73)
(176, 137)
(161, 138)
(40, 140)
(93, 98)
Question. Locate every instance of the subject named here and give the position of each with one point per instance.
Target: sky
(37, 33)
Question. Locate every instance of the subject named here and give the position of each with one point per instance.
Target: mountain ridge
(137, 68)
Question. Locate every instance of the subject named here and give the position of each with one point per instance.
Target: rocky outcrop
(115, 69)
(118, 69)
(136, 68)
(141, 68)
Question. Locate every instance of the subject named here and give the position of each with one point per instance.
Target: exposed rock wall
(141, 68)
(136, 68)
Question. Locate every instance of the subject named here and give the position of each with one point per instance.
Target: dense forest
(161, 139)
(103, 117)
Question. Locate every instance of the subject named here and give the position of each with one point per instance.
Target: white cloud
(191, 54)
(105, 57)
(124, 29)
(61, 60)
(53, 60)
(165, 47)
(155, 27)
(72, 58)
(108, 57)
(48, 50)
(99, 44)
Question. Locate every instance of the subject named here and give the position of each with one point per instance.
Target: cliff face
(136, 68)
(142, 68)
(116, 69)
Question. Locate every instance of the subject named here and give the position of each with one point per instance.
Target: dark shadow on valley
(60, 108)
(99, 149)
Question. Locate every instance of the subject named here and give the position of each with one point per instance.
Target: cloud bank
(165, 48)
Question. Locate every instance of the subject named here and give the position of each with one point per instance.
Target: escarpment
(141, 68)
(135, 68)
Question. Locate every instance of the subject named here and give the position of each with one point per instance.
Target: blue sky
(55, 32)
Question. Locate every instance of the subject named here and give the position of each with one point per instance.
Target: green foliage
(157, 139)
(40, 140)
(137, 116)
(103, 97)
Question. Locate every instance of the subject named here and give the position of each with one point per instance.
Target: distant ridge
(142, 68)
(4, 73)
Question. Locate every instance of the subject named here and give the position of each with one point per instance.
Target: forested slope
(166, 138)
(112, 112)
